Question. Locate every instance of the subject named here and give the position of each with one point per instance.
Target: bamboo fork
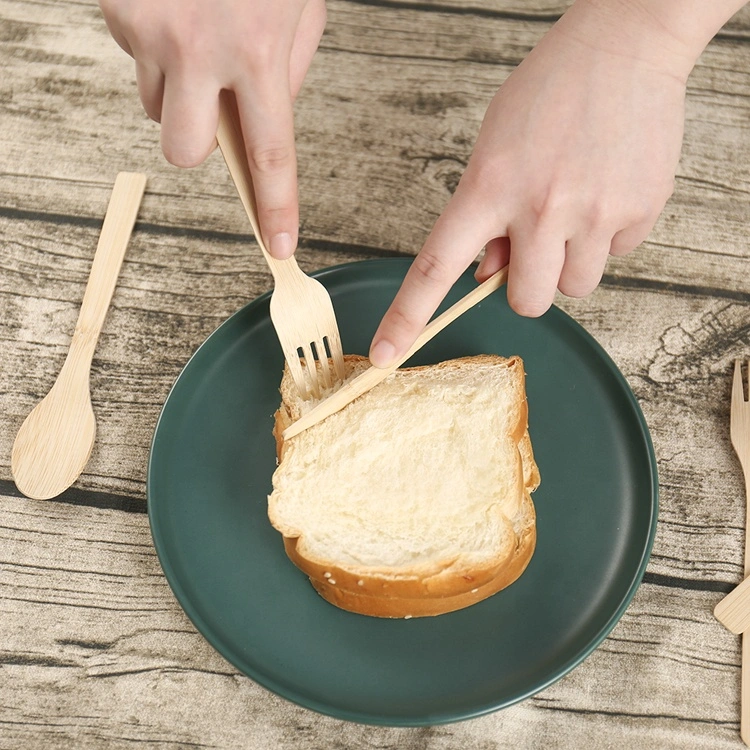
(740, 434)
(301, 308)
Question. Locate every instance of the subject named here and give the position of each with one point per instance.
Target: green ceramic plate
(210, 472)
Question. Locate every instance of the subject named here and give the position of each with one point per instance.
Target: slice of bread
(392, 606)
(414, 499)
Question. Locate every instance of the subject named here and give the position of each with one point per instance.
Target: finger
(627, 240)
(268, 128)
(150, 82)
(585, 259)
(189, 119)
(453, 243)
(536, 260)
(496, 255)
(309, 31)
(110, 13)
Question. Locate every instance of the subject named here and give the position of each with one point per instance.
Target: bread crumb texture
(425, 472)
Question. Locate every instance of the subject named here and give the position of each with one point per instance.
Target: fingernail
(480, 268)
(383, 353)
(281, 246)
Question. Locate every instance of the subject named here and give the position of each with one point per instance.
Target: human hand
(574, 161)
(187, 51)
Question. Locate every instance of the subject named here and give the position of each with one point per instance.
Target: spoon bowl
(56, 439)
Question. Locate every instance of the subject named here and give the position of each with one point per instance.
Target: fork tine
(337, 354)
(298, 374)
(320, 349)
(738, 395)
(311, 369)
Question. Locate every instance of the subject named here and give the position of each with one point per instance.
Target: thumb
(455, 241)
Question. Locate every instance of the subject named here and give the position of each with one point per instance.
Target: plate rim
(443, 717)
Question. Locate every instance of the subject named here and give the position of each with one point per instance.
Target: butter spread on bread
(414, 499)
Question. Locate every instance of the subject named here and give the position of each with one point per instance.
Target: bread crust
(424, 592)
(436, 583)
(408, 607)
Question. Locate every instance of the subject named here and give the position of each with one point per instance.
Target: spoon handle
(113, 241)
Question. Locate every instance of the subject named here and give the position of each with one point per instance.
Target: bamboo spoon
(374, 375)
(55, 441)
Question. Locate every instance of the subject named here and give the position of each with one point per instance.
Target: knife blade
(374, 375)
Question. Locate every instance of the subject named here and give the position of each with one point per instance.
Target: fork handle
(232, 145)
(745, 671)
(745, 690)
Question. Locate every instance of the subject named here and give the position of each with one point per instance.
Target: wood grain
(106, 656)
(402, 139)
(94, 650)
(55, 440)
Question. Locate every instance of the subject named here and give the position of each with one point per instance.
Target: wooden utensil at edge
(730, 608)
(374, 375)
(301, 309)
(55, 441)
(733, 611)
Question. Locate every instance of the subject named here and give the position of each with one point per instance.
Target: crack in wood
(89, 645)
(28, 660)
(541, 702)
(461, 10)
(689, 584)
(89, 498)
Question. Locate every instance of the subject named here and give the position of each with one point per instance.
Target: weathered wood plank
(544, 11)
(383, 134)
(95, 652)
(675, 349)
(172, 292)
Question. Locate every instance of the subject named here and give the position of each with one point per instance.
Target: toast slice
(392, 606)
(414, 499)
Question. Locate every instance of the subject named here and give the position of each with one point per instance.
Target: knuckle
(260, 54)
(482, 186)
(650, 204)
(271, 159)
(431, 269)
(277, 218)
(400, 322)
(183, 41)
(548, 204)
(598, 213)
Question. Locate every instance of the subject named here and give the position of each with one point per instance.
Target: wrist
(668, 35)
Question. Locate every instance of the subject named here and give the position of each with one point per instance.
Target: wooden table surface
(94, 650)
